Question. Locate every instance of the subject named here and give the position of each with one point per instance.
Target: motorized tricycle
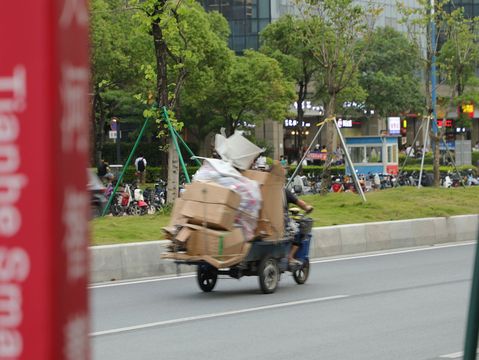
(267, 259)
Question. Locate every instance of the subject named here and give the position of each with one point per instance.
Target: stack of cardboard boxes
(203, 220)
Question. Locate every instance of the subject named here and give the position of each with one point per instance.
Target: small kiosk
(373, 154)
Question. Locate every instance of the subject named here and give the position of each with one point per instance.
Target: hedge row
(153, 173)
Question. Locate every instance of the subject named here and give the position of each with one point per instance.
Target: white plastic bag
(237, 150)
(249, 191)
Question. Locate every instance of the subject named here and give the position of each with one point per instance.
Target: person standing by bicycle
(140, 165)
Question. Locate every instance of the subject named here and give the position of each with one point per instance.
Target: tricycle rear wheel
(268, 272)
(301, 274)
(206, 276)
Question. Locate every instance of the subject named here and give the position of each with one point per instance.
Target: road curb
(138, 260)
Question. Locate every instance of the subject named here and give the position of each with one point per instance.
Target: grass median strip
(333, 209)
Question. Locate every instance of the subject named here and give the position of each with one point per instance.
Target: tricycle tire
(206, 276)
(301, 275)
(268, 272)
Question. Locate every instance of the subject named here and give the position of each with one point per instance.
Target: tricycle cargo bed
(226, 262)
(252, 252)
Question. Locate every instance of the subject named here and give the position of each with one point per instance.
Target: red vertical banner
(44, 205)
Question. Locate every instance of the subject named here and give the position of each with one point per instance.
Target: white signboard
(394, 125)
(112, 134)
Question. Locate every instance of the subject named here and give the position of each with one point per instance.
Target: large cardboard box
(204, 241)
(210, 204)
(272, 192)
(211, 193)
(216, 216)
(176, 217)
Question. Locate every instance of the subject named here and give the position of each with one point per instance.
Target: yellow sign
(468, 108)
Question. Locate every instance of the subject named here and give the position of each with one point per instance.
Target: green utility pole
(175, 136)
(120, 178)
(472, 330)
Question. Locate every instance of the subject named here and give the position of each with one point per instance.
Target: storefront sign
(293, 123)
(317, 156)
(345, 123)
(394, 125)
(447, 123)
(44, 206)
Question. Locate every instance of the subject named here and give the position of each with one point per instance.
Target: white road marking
(343, 258)
(393, 252)
(215, 315)
(130, 282)
(457, 355)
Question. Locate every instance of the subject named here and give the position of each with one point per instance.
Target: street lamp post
(115, 122)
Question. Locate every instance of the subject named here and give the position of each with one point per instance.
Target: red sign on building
(44, 206)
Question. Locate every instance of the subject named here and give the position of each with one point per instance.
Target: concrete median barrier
(137, 260)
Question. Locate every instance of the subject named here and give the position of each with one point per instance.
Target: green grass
(127, 229)
(333, 209)
(393, 204)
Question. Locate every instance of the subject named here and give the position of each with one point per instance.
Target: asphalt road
(401, 305)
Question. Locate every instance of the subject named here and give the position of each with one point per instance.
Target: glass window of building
(374, 154)
(246, 19)
(357, 154)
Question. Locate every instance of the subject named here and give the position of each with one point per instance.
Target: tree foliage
(117, 52)
(249, 89)
(283, 41)
(456, 36)
(388, 73)
(334, 30)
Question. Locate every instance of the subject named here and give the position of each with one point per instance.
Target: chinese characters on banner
(44, 205)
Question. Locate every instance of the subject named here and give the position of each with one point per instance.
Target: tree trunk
(173, 173)
(99, 125)
(161, 53)
(300, 117)
(436, 157)
(330, 141)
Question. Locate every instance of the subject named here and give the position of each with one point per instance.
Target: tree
(388, 73)
(252, 89)
(457, 62)
(241, 91)
(334, 29)
(116, 67)
(452, 28)
(282, 40)
(183, 34)
(195, 96)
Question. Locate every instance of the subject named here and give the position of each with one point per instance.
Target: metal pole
(350, 163)
(118, 137)
(175, 142)
(407, 155)
(433, 69)
(193, 156)
(120, 178)
(300, 165)
(424, 151)
(472, 329)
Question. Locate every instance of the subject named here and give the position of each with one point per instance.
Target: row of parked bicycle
(311, 183)
(132, 200)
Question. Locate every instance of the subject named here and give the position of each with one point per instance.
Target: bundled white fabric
(249, 191)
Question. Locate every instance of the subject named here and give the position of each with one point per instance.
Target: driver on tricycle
(293, 199)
